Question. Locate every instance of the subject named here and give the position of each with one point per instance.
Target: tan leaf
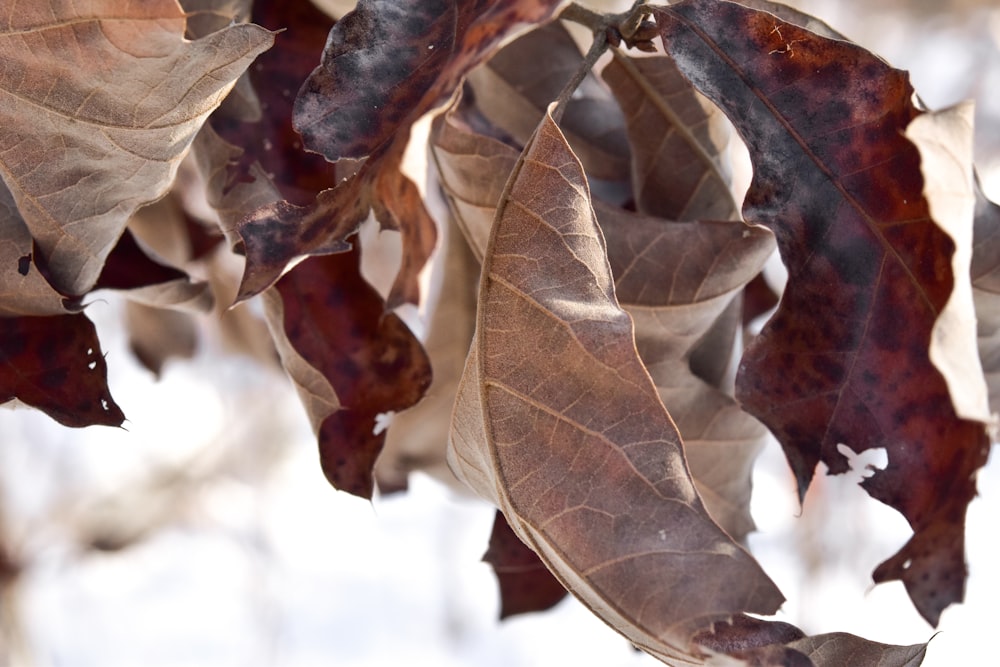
(559, 424)
(676, 280)
(986, 290)
(839, 648)
(679, 141)
(101, 102)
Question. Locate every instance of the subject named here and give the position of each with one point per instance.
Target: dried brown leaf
(679, 140)
(514, 87)
(103, 100)
(559, 424)
(418, 437)
(676, 279)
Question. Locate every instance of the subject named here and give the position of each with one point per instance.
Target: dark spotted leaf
(351, 361)
(55, 364)
(847, 358)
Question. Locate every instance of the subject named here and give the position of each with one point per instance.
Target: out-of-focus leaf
(350, 360)
(158, 334)
(55, 364)
(559, 424)
(513, 88)
(679, 140)
(986, 290)
(103, 100)
(526, 585)
(418, 437)
(847, 357)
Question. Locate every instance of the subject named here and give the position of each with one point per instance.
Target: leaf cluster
(595, 277)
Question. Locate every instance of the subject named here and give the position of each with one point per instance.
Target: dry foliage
(586, 389)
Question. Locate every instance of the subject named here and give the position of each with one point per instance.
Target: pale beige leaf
(100, 101)
(558, 422)
(515, 86)
(944, 140)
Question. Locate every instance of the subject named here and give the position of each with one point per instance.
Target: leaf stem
(607, 29)
(597, 49)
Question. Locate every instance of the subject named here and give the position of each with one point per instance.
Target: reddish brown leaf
(336, 323)
(418, 437)
(526, 585)
(385, 64)
(55, 364)
(846, 358)
(277, 75)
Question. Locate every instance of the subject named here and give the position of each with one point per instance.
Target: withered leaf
(102, 101)
(55, 364)
(418, 437)
(351, 360)
(986, 289)
(473, 168)
(679, 165)
(390, 61)
(526, 585)
(559, 424)
(676, 279)
(514, 87)
(385, 64)
(845, 649)
(128, 267)
(846, 359)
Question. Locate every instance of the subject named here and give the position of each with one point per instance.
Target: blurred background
(205, 534)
